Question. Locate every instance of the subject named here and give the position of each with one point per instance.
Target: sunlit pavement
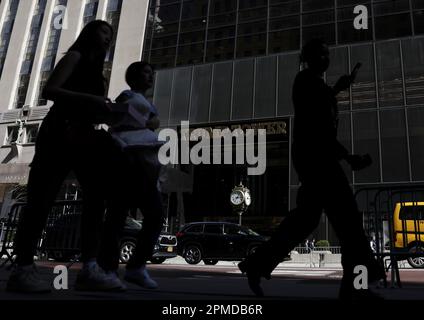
(180, 281)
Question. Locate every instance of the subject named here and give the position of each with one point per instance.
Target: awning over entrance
(14, 173)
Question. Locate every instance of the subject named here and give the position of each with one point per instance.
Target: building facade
(34, 35)
(233, 63)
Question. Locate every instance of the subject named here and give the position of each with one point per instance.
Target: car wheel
(192, 254)
(210, 262)
(126, 250)
(157, 260)
(416, 262)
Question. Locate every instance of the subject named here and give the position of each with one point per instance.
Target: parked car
(214, 241)
(165, 248)
(61, 240)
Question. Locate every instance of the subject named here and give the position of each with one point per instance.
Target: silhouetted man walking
(324, 186)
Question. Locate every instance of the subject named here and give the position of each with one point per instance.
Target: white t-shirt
(130, 133)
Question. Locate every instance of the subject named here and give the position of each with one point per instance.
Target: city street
(180, 281)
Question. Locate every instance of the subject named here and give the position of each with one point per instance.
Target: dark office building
(233, 62)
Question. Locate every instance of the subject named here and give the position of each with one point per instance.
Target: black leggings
(95, 160)
(142, 179)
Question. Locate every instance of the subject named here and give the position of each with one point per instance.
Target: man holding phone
(324, 186)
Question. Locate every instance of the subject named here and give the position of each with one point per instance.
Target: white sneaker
(140, 277)
(93, 278)
(26, 279)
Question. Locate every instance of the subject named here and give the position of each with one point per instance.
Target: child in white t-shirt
(135, 129)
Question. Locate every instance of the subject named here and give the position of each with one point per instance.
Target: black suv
(61, 240)
(214, 241)
(165, 248)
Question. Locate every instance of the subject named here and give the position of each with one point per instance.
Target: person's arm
(153, 123)
(54, 88)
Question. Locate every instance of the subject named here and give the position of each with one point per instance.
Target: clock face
(237, 198)
(247, 199)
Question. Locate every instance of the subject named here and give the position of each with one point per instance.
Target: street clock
(240, 197)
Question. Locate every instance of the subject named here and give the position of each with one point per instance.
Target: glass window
(364, 90)
(195, 8)
(190, 54)
(196, 228)
(345, 138)
(391, 7)
(200, 96)
(265, 87)
(162, 96)
(392, 26)
(164, 57)
(339, 65)
(31, 133)
(221, 6)
(284, 23)
(193, 25)
(286, 40)
(243, 89)
(222, 33)
(394, 146)
(326, 31)
(213, 228)
(309, 5)
(221, 91)
(219, 50)
(318, 17)
(222, 20)
(288, 67)
(413, 60)
(419, 22)
(251, 28)
(284, 9)
(245, 4)
(416, 142)
(181, 96)
(252, 15)
(389, 74)
(252, 45)
(418, 4)
(365, 137)
(12, 135)
(164, 42)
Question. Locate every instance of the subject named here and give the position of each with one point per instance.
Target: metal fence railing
(60, 238)
(393, 219)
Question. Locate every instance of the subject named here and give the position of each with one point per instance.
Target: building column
(74, 14)
(101, 10)
(3, 9)
(39, 55)
(15, 53)
(130, 39)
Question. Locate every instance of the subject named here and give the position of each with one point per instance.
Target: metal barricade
(394, 221)
(60, 238)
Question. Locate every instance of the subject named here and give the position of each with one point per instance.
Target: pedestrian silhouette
(68, 141)
(316, 158)
(135, 134)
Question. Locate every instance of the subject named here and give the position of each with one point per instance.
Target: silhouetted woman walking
(69, 141)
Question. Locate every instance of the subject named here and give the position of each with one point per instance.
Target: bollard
(321, 259)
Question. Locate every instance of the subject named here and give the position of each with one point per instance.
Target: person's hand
(359, 162)
(343, 83)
